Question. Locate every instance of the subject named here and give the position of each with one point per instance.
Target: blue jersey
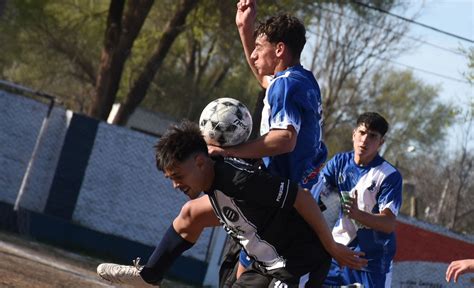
(379, 187)
(293, 99)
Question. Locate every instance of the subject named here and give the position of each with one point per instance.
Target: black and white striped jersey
(256, 209)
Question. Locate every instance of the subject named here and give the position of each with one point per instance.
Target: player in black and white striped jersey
(272, 218)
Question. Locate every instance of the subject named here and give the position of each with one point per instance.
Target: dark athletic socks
(168, 250)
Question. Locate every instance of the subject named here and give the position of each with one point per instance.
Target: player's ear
(280, 48)
(199, 160)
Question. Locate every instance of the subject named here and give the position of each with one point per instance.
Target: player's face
(187, 177)
(366, 144)
(264, 56)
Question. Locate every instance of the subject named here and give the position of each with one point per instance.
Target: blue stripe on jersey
(293, 98)
(379, 187)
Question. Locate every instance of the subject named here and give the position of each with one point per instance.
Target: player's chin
(192, 195)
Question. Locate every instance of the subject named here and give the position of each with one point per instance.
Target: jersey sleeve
(391, 193)
(284, 108)
(326, 181)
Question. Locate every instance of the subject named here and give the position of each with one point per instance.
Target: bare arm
(275, 142)
(309, 210)
(245, 21)
(383, 221)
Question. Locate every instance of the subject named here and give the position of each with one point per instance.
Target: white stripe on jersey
(367, 189)
(245, 232)
(265, 125)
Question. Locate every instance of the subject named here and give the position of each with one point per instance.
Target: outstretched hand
(347, 257)
(459, 267)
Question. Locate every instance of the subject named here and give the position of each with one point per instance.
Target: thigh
(252, 278)
(227, 271)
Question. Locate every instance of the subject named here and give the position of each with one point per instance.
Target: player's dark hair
(178, 143)
(284, 28)
(373, 121)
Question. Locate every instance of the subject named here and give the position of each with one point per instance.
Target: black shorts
(317, 261)
(254, 278)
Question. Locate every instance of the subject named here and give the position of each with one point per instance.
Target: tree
(207, 62)
(138, 91)
(121, 31)
(460, 171)
(443, 177)
(51, 46)
(56, 46)
(348, 45)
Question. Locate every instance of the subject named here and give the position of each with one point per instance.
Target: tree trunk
(138, 91)
(118, 42)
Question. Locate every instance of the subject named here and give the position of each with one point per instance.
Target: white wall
(122, 193)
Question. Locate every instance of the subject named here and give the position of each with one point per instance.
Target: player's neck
(363, 161)
(283, 65)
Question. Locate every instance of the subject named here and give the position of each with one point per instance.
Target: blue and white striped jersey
(379, 187)
(293, 98)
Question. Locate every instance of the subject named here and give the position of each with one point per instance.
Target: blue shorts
(244, 259)
(345, 276)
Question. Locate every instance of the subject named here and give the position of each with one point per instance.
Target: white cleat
(122, 274)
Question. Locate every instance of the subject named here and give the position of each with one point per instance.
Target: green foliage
(53, 46)
(469, 74)
(205, 63)
(418, 118)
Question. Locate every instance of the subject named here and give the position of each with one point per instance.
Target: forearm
(275, 142)
(383, 222)
(248, 44)
(245, 20)
(308, 208)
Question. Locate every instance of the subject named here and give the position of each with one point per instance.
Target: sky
(456, 17)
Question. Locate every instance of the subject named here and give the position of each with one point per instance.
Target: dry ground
(30, 264)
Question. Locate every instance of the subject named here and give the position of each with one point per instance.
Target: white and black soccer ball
(225, 122)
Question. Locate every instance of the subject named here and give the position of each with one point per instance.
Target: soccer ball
(225, 122)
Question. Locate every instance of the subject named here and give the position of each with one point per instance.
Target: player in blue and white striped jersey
(367, 217)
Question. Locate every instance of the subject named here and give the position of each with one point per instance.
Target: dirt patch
(30, 264)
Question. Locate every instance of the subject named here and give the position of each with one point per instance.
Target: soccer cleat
(122, 274)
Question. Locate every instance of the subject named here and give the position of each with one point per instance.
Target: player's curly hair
(373, 121)
(178, 143)
(284, 28)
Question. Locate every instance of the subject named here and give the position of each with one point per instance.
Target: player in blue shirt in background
(371, 196)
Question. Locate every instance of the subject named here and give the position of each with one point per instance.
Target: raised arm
(309, 210)
(245, 21)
